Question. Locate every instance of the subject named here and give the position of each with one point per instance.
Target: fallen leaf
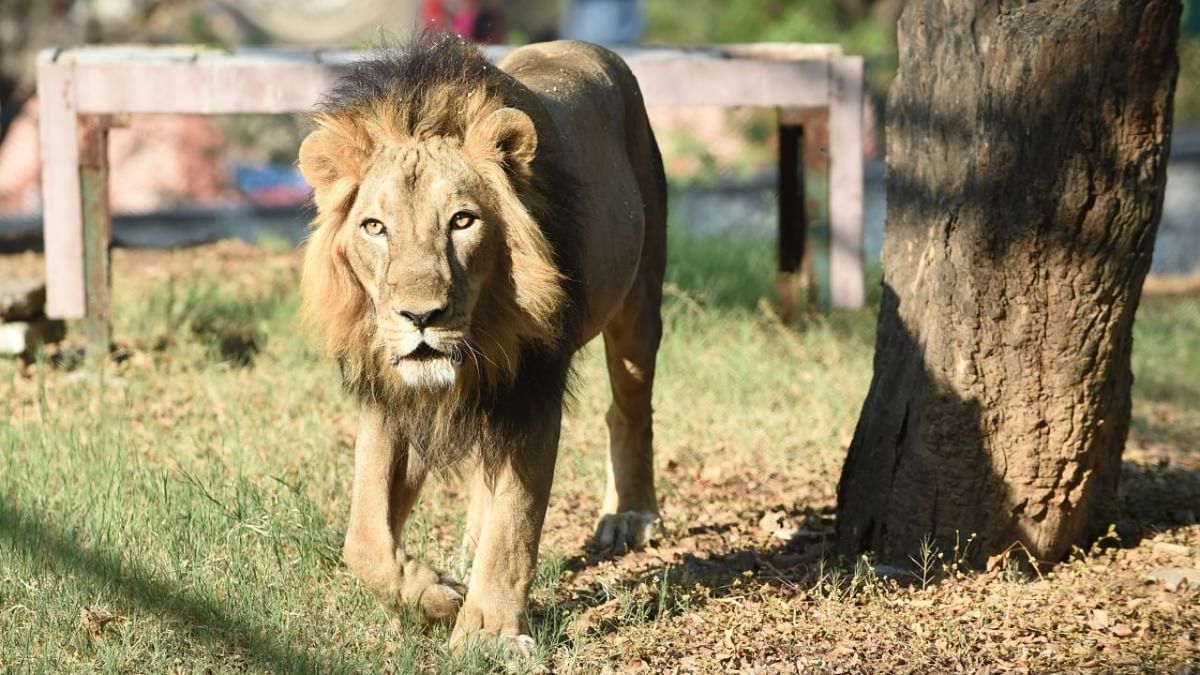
(1099, 620)
(772, 521)
(95, 620)
(997, 561)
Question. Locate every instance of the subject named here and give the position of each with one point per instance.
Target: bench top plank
(197, 79)
(176, 54)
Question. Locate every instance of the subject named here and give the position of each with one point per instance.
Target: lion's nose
(423, 319)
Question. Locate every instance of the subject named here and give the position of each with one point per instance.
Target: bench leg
(817, 265)
(58, 128)
(793, 217)
(846, 268)
(97, 234)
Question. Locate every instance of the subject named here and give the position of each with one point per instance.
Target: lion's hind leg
(629, 517)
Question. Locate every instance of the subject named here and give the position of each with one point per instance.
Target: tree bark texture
(1026, 147)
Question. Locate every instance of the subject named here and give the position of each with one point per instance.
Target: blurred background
(181, 179)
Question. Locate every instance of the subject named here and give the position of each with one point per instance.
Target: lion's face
(423, 256)
(425, 244)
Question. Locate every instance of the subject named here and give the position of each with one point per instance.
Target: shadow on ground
(203, 619)
(1155, 498)
(657, 591)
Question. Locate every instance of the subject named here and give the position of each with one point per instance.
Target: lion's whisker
(500, 347)
(474, 354)
(480, 354)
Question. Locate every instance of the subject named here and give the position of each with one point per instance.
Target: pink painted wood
(238, 84)
(846, 273)
(62, 214)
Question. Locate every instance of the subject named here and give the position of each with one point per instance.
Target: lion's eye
(373, 227)
(462, 220)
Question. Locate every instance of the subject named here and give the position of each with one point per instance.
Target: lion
(475, 226)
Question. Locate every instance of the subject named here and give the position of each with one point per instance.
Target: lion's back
(606, 142)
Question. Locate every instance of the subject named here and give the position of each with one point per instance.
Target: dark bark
(27, 26)
(1027, 148)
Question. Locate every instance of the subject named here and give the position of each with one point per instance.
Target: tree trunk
(1027, 149)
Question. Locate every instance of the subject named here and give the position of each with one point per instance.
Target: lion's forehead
(435, 167)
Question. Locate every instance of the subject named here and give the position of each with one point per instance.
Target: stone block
(21, 299)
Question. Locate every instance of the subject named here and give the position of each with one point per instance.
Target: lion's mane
(522, 326)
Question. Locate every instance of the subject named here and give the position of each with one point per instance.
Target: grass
(181, 509)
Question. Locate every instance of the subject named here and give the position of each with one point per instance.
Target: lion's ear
(332, 153)
(506, 136)
(318, 158)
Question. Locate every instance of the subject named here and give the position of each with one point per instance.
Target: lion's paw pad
(620, 532)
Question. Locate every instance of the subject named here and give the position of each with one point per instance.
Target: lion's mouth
(425, 353)
(427, 367)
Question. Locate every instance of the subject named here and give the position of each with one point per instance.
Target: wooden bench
(81, 90)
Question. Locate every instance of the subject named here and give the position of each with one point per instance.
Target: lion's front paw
(508, 647)
(501, 629)
(518, 646)
(437, 596)
(618, 533)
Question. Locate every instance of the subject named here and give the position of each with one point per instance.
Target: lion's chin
(432, 374)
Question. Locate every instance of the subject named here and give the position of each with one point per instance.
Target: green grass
(199, 492)
(1166, 365)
